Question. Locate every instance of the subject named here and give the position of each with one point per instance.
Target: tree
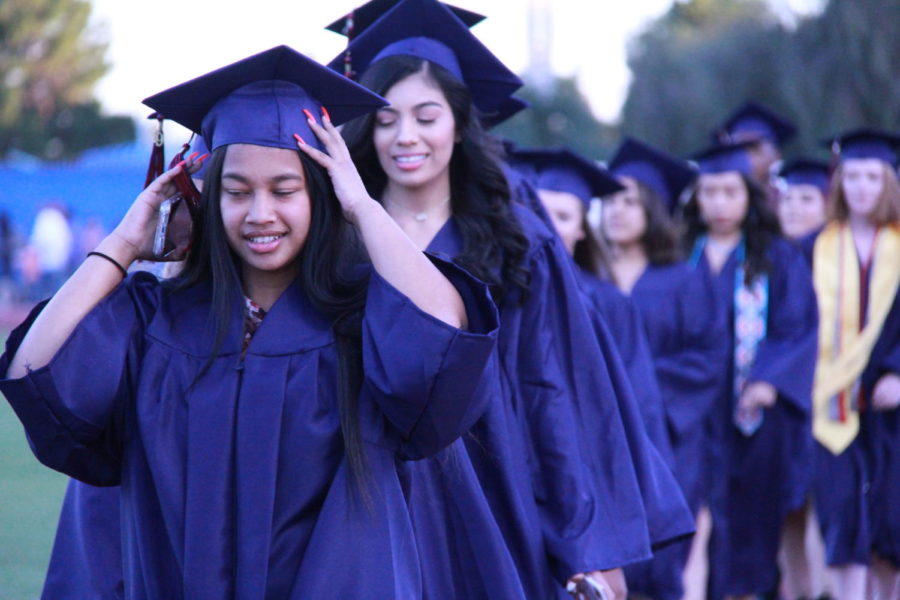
(560, 116)
(49, 64)
(834, 71)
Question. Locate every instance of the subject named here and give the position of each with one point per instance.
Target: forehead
(262, 160)
(868, 165)
(728, 178)
(417, 88)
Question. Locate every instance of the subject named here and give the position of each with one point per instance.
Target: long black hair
(760, 227)
(327, 275)
(494, 245)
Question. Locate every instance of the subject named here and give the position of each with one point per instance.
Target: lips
(264, 242)
(409, 162)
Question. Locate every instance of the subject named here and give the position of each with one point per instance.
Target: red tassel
(157, 154)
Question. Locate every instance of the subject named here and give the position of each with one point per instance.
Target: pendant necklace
(421, 216)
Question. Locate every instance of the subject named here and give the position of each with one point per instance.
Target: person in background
(54, 242)
(801, 203)
(856, 421)
(761, 445)
(565, 184)
(766, 133)
(679, 313)
(801, 211)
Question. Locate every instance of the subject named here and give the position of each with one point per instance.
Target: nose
(407, 132)
(261, 209)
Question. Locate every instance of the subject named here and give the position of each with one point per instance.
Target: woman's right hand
(134, 233)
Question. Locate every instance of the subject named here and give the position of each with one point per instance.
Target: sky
(155, 45)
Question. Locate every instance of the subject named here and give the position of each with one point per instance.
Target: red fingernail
(325, 112)
(181, 165)
(193, 156)
(299, 139)
(202, 158)
(309, 115)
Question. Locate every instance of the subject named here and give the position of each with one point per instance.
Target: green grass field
(30, 497)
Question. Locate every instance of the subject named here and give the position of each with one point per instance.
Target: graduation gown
(764, 475)
(235, 484)
(855, 491)
(620, 332)
(86, 560)
(679, 314)
(558, 511)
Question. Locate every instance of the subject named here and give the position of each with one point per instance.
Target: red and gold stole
(845, 345)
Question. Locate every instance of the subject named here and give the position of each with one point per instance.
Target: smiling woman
(258, 451)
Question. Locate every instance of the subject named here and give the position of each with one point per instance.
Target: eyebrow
(276, 179)
(416, 107)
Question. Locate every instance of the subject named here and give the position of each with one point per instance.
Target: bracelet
(112, 260)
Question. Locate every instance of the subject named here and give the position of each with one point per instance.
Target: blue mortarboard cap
(722, 158)
(806, 171)
(363, 17)
(753, 121)
(561, 170)
(505, 111)
(664, 174)
(428, 30)
(260, 100)
(867, 143)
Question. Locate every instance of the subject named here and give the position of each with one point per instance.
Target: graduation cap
(358, 20)
(260, 100)
(866, 143)
(561, 170)
(505, 111)
(664, 174)
(428, 30)
(722, 158)
(753, 121)
(806, 171)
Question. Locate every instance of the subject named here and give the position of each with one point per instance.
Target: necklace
(421, 216)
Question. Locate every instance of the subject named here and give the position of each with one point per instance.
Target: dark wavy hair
(334, 287)
(494, 245)
(591, 254)
(760, 227)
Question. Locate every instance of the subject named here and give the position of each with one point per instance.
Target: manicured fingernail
(193, 156)
(181, 164)
(202, 158)
(325, 112)
(299, 139)
(309, 115)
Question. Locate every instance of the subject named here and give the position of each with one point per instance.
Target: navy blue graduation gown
(558, 514)
(763, 476)
(86, 560)
(856, 492)
(236, 484)
(620, 332)
(679, 314)
(679, 311)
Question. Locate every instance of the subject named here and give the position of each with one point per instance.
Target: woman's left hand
(757, 395)
(886, 395)
(348, 185)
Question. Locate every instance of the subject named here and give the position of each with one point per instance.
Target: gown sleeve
(432, 381)
(575, 425)
(690, 369)
(72, 408)
(786, 358)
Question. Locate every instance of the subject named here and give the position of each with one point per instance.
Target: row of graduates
(715, 254)
(239, 477)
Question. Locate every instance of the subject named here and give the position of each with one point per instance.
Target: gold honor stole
(844, 350)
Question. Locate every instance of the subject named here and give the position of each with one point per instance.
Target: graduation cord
(112, 260)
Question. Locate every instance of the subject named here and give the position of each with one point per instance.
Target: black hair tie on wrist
(112, 260)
